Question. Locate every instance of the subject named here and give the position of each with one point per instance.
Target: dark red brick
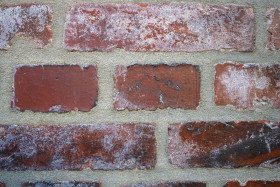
(159, 27)
(247, 86)
(273, 15)
(31, 21)
(62, 184)
(172, 184)
(254, 184)
(2, 184)
(78, 147)
(225, 145)
(55, 88)
(150, 87)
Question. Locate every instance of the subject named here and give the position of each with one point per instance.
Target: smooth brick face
(150, 87)
(172, 184)
(55, 88)
(61, 184)
(31, 21)
(247, 86)
(78, 147)
(159, 27)
(254, 184)
(224, 145)
(273, 15)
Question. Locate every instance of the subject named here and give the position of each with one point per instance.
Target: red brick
(254, 184)
(62, 184)
(273, 15)
(157, 86)
(247, 86)
(2, 184)
(78, 147)
(225, 145)
(31, 21)
(55, 88)
(159, 27)
(171, 184)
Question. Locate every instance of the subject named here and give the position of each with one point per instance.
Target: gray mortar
(23, 51)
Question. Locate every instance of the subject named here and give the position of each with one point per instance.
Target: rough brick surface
(159, 27)
(254, 184)
(172, 184)
(150, 87)
(273, 15)
(77, 147)
(31, 21)
(224, 145)
(61, 184)
(247, 86)
(55, 88)
(2, 184)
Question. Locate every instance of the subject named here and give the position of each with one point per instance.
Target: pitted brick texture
(61, 184)
(78, 147)
(171, 184)
(254, 184)
(273, 15)
(224, 145)
(247, 86)
(55, 88)
(159, 27)
(150, 87)
(31, 21)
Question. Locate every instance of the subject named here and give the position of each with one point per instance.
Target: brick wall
(130, 93)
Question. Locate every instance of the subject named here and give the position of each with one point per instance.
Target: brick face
(2, 184)
(31, 21)
(55, 88)
(159, 27)
(273, 15)
(224, 145)
(254, 184)
(171, 184)
(248, 86)
(78, 147)
(150, 87)
(61, 184)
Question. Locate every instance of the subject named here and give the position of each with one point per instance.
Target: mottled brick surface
(171, 184)
(61, 184)
(78, 147)
(224, 145)
(247, 86)
(273, 15)
(254, 184)
(31, 21)
(159, 27)
(55, 88)
(150, 87)
(2, 184)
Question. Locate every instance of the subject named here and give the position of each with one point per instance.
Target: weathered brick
(2, 184)
(78, 147)
(247, 86)
(225, 145)
(55, 88)
(31, 21)
(254, 184)
(157, 86)
(61, 184)
(159, 27)
(171, 184)
(273, 15)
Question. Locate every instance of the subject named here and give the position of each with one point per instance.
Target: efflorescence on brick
(29, 20)
(253, 184)
(61, 184)
(273, 15)
(224, 145)
(247, 86)
(150, 87)
(159, 27)
(171, 184)
(78, 147)
(55, 88)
